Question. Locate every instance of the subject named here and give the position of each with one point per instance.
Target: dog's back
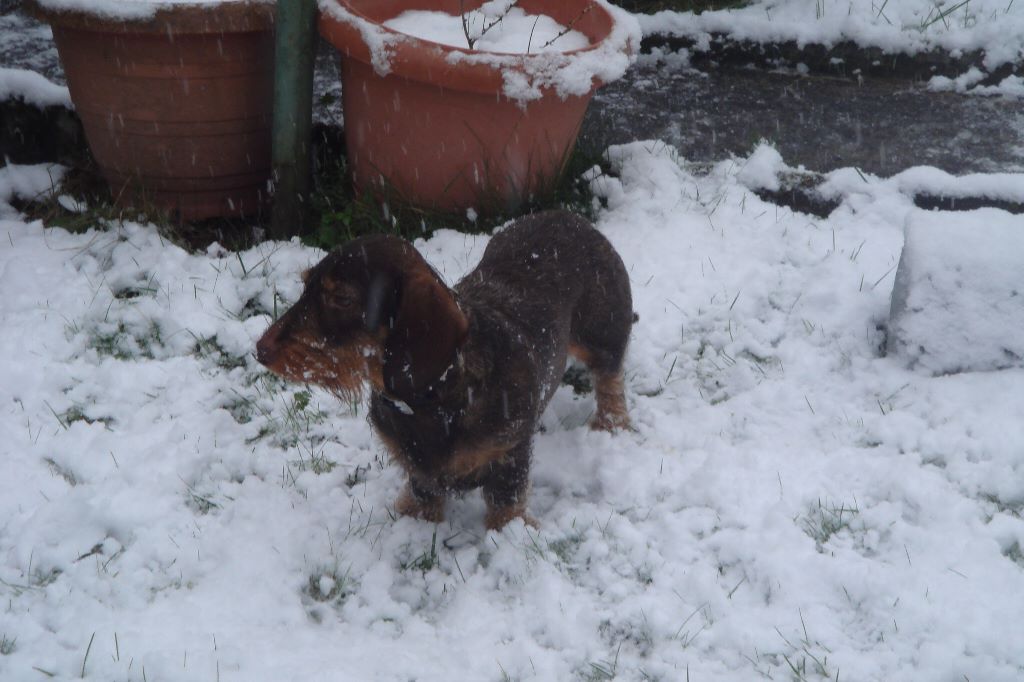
(558, 284)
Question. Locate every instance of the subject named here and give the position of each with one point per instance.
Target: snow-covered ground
(793, 504)
(908, 26)
(994, 28)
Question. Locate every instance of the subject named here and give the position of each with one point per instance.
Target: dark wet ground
(878, 124)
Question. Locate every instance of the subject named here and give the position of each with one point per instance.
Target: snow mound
(32, 88)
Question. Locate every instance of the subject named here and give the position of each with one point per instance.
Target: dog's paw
(431, 510)
(611, 422)
(498, 517)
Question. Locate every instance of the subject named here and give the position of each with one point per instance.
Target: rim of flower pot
(231, 16)
(426, 61)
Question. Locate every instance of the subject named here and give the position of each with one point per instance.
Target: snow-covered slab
(958, 299)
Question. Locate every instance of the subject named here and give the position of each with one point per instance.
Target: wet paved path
(880, 125)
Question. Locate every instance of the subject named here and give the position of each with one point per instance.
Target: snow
(907, 26)
(381, 42)
(26, 182)
(795, 502)
(762, 169)
(970, 83)
(791, 495)
(32, 88)
(128, 9)
(524, 77)
(494, 29)
(924, 180)
(958, 291)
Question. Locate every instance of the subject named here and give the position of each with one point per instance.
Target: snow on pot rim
(158, 16)
(614, 34)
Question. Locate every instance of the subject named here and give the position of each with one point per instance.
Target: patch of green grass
(7, 645)
(425, 561)
(635, 634)
(208, 347)
(199, 503)
(313, 458)
(939, 13)
(808, 658)
(120, 342)
(44, 579)
(58, 470)
(565, 548)
(599, 671)
(289, 423)
(1015, 554)
(328, 585)
(357, 475)
(77, 414)
(824, 520)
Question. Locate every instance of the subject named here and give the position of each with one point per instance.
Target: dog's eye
(341, 300)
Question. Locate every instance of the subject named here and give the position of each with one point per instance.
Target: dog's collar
(407, 406)
(397, 404)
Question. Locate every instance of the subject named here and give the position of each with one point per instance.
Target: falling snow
(794, 503)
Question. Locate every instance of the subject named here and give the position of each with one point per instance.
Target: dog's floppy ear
(427, 330)
(380, 301)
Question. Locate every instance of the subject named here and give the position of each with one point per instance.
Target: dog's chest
(420, 434)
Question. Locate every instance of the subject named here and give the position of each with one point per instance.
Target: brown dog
(460, 376)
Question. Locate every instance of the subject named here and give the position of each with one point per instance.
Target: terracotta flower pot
(450, 128)
(176, 106)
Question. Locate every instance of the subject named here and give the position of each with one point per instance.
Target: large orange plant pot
(176, 106)
(452, 129)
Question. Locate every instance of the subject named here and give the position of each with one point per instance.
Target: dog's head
(373, 311)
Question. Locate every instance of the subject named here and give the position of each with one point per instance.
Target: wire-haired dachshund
(459, 377)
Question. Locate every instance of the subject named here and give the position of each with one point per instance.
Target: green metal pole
(295, 49)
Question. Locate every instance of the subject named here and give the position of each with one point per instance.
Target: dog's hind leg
(602, 320)
(603, 354)
(610, 394)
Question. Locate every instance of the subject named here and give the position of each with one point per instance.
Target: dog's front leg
(421, 502)
(507, 487)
